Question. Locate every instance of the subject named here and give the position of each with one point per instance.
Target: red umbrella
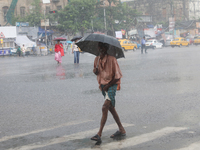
(60, 39)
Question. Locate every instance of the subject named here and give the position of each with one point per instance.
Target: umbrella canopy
(76, 38)
(90, 44)
(60, 39)
(69, 42)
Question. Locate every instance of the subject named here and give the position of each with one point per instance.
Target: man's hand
(96, 71)
(106, 87)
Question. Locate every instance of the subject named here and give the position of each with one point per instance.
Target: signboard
(1, 41)
(43, 22)
(22, 24)
(118, 34)
(198, 24)
(46, 1)
(54, 23)
(123, 32)
(8, 32)
(144, 18)
(171, 24)
(150, 32)
(132, 32)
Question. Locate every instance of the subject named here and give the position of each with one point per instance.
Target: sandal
(117, 134)
(96, 138)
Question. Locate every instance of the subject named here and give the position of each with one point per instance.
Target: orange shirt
(108, 70)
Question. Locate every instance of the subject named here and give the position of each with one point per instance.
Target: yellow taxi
(127, 44)
(179, 42)
(197, 40)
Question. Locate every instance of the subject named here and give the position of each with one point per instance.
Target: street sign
(171, 24)
(22, 24)
(43, 22)
(54, 23)
(2, 35)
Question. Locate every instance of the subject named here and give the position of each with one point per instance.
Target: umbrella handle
(98, 63)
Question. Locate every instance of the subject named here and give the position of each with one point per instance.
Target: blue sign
(22, 24)
(5, 52)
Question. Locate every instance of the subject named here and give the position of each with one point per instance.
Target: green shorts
(111, 93)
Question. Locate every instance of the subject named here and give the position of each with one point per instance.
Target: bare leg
(105, 109)
(116, 117)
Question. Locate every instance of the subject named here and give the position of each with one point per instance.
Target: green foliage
(76, 16)
(120, 12)
(34, 17)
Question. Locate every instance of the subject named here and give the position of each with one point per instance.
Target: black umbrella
(90, 44)
(76, 38)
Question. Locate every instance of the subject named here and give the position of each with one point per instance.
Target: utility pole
(184, 10)
(45, 28)
(104, 15)
(45, 2)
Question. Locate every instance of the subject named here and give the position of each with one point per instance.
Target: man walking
(108, 76)
(143, 45)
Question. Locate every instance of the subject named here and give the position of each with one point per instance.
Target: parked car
(153, 44)
(197, 40)
(167, 43)
(179, 42)
(138, 45)
(127, 44)
(147, 36)
(13, 51)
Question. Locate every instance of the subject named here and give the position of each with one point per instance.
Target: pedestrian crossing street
(114, 145)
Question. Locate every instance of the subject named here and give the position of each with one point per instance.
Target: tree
(76, 16)
(129, 16)
(34, 17)
(81, 15)
(112, 12)
(118, 15)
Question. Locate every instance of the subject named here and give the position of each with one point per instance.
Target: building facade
(21, 7)
(162, 10)
(194, 9)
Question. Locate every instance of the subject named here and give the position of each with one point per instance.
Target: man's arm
(112, 82)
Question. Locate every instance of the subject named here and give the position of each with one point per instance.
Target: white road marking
(194, 146)
(43, 130)
(75, 136)
(139, 139)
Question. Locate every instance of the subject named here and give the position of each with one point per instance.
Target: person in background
(76, 52)
(109, 77)
(19, 51)
(59, 52)
(23, 49)
(143, 45)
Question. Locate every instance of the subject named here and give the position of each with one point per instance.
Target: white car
(153, 44)
(13, 50)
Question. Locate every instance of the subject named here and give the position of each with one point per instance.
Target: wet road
(45, 106)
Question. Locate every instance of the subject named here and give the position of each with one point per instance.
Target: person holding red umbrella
(59, 52)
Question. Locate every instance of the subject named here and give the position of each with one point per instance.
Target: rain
(50, 94)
